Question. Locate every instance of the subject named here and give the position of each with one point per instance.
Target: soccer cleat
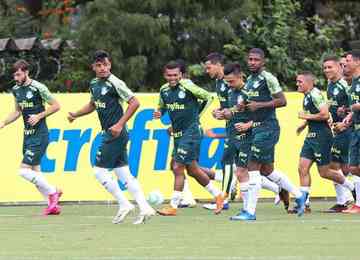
(337, 208)
(54, 211)
(122, 213)
(212, 206)
(167, 211)
(187, 203)
(243, 216)
(219, 200)
(53, 200)
(353, 210)
(144, 216)
(285, 198)
(300, 203)
(295, 210)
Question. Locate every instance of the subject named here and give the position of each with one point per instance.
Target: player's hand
(240, 106)
(115, 130)
(227, 113)
(71, 117)
(243, 127)
(347, 120)
(34, 119)
(210, 133)
(253, 106)
(300, 129)
(339, 127)
(341, 111)
(302, 115)
(170, 131)
(156, 114)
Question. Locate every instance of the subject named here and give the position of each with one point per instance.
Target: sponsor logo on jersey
(100, 104)
(223, 87)
(25, 104)
(175, 106)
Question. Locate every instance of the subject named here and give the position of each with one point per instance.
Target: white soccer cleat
(209, 206)
(121, 214)
(277, 199)
(187, 203)
(144, 216)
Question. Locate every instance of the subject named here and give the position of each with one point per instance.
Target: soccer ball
(155, 197)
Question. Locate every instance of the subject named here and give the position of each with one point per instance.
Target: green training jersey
(31, 99)
(312, 103)
(181, 102)
(236, 96)
(355, 98)
(337, 94)
(260, 87)
(108, 95)
(222, 91)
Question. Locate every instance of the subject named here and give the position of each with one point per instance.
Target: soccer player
(264, 97)
(352, 67)
(30, 96)
(346, 75)
(179, 98)
(338, 100)
(107, 93)
(238, 130)
(214, 64)
(319, 139)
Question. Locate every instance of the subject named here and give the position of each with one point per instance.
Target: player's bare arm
(278, 100)
(85, 110)
(54, 106)
(301, 127)
(323, 115)
(133, 105)
(12, 117)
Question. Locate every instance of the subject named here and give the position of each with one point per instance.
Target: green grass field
(85, 232)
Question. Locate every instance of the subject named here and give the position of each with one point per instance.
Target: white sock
(340, 191)
(284, 182)
(133, 185)
(218, 175)
(39, 180)
(254, 189)
(175, 199)
(356, 180)
(111, 185)
(212, 189)
(244, 189)
(187, 194)
(307, 190)
(269, 185)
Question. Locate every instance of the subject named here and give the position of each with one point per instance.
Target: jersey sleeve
(272, 83)
(318, 99)
(44, 93)
(121, 88)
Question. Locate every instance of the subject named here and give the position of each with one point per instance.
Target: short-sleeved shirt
(222, 90)
(312, 103)
(337, 95)
(182, 104)
(355, 98)
(108, 95)
(31, 99)
(260, 87)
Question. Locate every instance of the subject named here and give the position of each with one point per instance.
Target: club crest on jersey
(336, 92)
(104, 90)
(222, 88)
(357, 89)
(306, 101)
(181, 94)
(29, 94)
(256, 84)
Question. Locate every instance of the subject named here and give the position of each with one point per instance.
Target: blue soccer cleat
(300, 203)
(243, 216)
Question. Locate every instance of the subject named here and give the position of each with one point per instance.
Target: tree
(289, 44)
